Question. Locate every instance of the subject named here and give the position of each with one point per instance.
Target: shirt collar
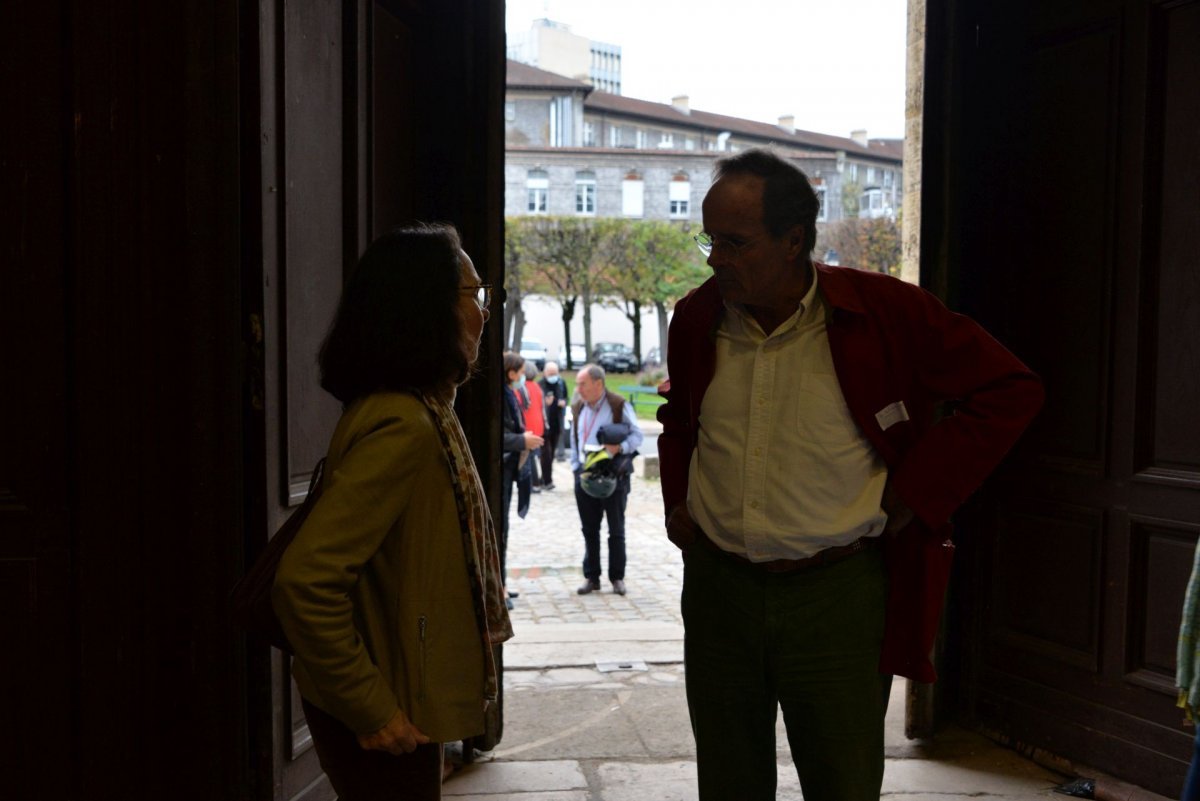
(809, 304)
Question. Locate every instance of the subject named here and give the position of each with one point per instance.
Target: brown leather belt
(828, 556)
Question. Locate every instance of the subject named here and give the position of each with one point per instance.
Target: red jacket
(535, 416)
(891, 341)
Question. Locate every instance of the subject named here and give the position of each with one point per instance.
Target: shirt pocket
(821, 411)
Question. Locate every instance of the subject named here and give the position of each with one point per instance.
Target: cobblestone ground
(545, 560)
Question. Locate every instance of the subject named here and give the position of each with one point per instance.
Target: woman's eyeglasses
(481, 292)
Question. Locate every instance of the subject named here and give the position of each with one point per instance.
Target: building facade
(571, 149)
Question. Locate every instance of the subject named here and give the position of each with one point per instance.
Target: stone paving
(545, 560)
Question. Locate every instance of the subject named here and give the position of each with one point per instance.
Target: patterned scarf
(479, 538)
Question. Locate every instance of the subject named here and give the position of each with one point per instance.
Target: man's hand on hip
(898, 513)
(681, 529)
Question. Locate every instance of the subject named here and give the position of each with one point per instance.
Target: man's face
(589, 388)
(751, 267)
(551, 369)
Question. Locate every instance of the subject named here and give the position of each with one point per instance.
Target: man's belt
(827, 556)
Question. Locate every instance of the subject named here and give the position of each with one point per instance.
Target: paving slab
(663, 781)
(491, 778)
(990, 773)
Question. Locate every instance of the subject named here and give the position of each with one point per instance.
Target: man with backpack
(604, 438)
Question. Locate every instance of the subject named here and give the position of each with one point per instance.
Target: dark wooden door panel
(1077, 246)
(311, 266)
(1047, 585)
(1170, 442)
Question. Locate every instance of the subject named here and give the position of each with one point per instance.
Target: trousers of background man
(548, 449)
(592, 512)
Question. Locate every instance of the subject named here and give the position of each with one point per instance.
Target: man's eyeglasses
(481, 292)
(733, 247)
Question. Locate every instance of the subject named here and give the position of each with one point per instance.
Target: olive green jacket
(373, 593)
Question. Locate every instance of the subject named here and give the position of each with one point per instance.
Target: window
(585, 193)
(872, 205)
(614, 136)
(666, 141)
(870, 176)
(633, 195)
(510, 111)
(820, 190)
(887, 178)
(679, 194)
(537, 189)
(689, 144)
(589, 134)
(640, 139)
(853, 173)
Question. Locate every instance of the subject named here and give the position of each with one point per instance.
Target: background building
(551, 46)
(573, 149)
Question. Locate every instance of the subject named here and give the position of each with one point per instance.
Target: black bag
(615, 434)
(251, 596)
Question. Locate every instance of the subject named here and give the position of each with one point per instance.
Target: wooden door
(1063, 197)
(363, 116)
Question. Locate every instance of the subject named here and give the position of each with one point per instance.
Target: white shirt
(781, 470)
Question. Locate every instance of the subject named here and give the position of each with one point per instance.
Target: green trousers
(806, 642)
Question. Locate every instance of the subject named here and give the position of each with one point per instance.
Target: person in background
(535, 421)
(390, 593)
(799, 444)
(596, 408)
(517, 445)
(554, 395)
(1187, 672)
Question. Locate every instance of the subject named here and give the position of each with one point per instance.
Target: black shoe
(589, 586)
(512, 594)
(618, 586)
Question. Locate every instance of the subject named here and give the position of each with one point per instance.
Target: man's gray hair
(530, 369)
(594, 371)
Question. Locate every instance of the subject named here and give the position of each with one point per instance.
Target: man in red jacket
(809, 487)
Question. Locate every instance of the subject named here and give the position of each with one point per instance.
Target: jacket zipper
(421, 624)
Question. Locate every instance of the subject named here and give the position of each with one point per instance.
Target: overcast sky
(835, 65)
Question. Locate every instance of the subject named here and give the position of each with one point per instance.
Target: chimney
(680, 102)
(788, 123)
(859, 136)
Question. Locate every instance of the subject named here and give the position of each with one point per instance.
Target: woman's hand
(398, 737)
(532, 441)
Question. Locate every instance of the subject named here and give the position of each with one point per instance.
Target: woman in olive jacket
(391, 592)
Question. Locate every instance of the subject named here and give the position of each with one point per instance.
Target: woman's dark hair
(512, 361)
(788, 198)
(397, 326)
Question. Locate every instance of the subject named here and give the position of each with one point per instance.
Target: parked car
(578, 357)
(653, 357)
(615, 357)
(534, 351)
